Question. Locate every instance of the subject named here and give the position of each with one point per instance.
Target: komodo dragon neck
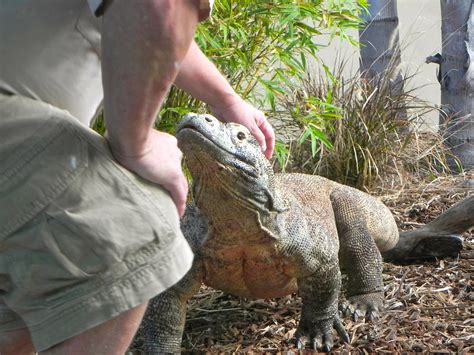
(233, 182)
(234, 219)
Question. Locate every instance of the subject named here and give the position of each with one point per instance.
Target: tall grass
(368, 137)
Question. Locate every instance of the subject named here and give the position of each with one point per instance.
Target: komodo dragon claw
(321, 334)
(368, 305)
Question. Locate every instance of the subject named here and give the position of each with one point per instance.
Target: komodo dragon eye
(241, 136)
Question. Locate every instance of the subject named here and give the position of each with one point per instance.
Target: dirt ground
(429, 305)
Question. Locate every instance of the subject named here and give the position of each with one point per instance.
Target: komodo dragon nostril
(208, 119)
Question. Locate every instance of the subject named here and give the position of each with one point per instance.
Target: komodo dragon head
(227, 157)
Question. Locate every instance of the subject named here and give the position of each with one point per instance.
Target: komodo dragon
(257, 234)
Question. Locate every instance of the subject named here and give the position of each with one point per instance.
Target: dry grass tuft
(374, 139)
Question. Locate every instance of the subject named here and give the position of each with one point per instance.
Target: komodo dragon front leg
(364, 227)
(163, 324)
(319, 315)
(312, 248)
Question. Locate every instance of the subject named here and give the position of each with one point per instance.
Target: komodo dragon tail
(439, 238)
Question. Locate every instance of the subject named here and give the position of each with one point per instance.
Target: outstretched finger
(259, 136)
(267, 131)
(178, 191)
(328, 342)
(185, 188)
(317, 342)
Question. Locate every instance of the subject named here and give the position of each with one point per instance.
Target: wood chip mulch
(429, 305)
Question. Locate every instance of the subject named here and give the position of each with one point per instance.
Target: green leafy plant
(282, 153)
(263, 47)
(316, 117)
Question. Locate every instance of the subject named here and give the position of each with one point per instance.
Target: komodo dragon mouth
(219, 145)
(245, 166)
(226, 157)
(203, 135)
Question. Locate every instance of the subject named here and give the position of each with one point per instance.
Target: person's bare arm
(201, 79)
(143, 46)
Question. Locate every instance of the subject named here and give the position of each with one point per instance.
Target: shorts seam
(100, 283)
(9, 172)
(135, 288)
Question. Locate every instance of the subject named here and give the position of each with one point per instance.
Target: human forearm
(200, 78)
(143, 45)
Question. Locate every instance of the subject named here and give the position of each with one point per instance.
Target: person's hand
(239, 111)
(160, 163)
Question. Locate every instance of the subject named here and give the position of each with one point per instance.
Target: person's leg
(86, 240)
(16, 342)
(111, 337)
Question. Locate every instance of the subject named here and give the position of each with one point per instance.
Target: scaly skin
(257, 234)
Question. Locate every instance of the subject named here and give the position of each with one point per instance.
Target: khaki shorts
(81, 238)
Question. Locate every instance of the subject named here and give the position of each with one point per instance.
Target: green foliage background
(263, 47)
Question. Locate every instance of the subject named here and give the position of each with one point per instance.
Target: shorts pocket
(38, 162)
(113, 217)
(67, 248)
